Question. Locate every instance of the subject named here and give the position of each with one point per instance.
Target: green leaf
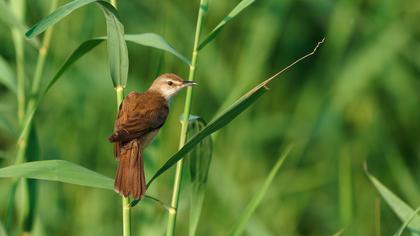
(240, 7)
(198, 160)
(400, 208)
(156, 41)
(7, 78)
(226, 117)
(401, 230)
(219, 122)
(58, 170)
(10, 19)
(256, 200)
(56, 16)
(117, 47)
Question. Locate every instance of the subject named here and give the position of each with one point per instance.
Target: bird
(139, 119)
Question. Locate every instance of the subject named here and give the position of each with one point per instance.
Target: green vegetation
(354, 102)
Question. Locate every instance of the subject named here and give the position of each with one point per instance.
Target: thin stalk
(184, 126)
(126, 216)
(126, 209)
(18, 8)
(22, 106)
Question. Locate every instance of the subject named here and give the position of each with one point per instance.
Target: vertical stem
(126, 209)
(22, 106)
(18, 8)
(184, 126)
(126, 216)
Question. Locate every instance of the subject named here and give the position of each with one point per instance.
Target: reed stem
(184, 126)
(126, 209)
(23, 108)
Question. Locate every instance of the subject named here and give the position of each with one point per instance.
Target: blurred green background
(357, 100)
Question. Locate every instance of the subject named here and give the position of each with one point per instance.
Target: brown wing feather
(140, 113)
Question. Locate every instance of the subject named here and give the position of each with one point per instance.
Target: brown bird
(140, 117)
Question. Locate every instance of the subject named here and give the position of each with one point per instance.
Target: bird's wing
(138, 115)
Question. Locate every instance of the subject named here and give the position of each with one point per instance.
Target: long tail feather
(129, 179)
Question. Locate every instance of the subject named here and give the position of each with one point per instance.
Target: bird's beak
(187, 83)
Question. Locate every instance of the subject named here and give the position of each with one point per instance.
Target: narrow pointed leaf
(240, 7)
(219, 122)
(117, 47)
(156, 41)
(7, 78)
(227, 116)
(400, 208)
(58, 170)
(256, 200)
(408, 221)
(56, 16)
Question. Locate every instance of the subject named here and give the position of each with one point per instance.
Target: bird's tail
(130, 180)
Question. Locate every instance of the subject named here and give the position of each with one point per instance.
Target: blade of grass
(56, 16)
(226, 116)
(156, 41)
(238, 9)
(401, 230)
(7, 78)
(400, 208)
(65, 172)
(57, 170)
(117, 48)
(256, 200)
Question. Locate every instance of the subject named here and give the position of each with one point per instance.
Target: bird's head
(169, 84)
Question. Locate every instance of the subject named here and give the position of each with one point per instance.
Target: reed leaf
(117, 48)
(259, 195)
(238, 9)
(56, 16)
(398, 206)
(7, 77)
(405, 224)
(155, 41)
(58, 170)
(227, 116)
(65, 172)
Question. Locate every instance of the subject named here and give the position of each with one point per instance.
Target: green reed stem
(126, 209)
(18, 8)
(184, 126)
(23, 108)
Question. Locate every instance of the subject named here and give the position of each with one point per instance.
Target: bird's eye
(170, 83)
